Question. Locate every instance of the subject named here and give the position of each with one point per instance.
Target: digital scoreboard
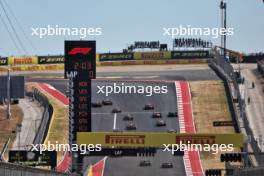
(80, 69)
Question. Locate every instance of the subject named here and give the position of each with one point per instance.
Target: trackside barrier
(122, 56)
(22, 60)
(39, 93)
(240, 171)
(9, 169)
(153, 62)
(33, 67)
(153, 55)
(227, 73)
(46, 116)
(105, 63)
(65, 161)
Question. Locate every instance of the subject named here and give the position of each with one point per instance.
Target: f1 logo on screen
(83, 51)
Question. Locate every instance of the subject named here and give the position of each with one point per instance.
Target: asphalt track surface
(189, 75)
(133, 104)
(103, 119)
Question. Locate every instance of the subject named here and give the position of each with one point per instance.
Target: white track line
(114, 126)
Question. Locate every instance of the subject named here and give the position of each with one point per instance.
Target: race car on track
(156, 115)
(172, 131)
(145, 163)
(116, 110)
(172, 114)
(107, 102)
(149, 107)
(131, 126)
(96, 104)
(128, 117)
(166, 165)
(160, 123)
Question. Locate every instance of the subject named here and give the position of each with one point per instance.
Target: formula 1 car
(172, 131)
(145, 163)
(149, 107)
(160, 123)
(128, 117)
(172, 114)
(96, 104)
(107, 102)
(156, 115)
(166, 165)
(116, 110)
(131, 126)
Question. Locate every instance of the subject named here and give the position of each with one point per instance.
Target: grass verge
(210, 104)
(9, 125)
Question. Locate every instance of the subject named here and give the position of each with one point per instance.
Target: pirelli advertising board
(140, 139)
(27, 60)
(115, 56)
(3, 61)
(80, 68)
(155, 55)
(189, 54)
(50, 60)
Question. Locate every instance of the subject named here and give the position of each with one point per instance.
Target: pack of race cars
(131, 125)
(129, 117)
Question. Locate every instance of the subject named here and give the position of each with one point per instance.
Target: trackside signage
(80, 60)
(223, 123)
(33, 158)
(25, 60)
(189, 54)
(140, 139)
(3, 61)
(50, 59)
(116, 56)
(125, 139)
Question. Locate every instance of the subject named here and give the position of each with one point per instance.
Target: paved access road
(254, 109)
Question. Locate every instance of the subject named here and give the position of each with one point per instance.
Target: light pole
(223, 25)
(8, 94)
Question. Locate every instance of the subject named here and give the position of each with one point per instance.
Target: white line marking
(114, 126)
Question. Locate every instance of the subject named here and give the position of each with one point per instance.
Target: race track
(103, 119)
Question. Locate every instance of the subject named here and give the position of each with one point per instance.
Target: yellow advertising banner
(155, 55)
(141, 139)
(22, 60)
